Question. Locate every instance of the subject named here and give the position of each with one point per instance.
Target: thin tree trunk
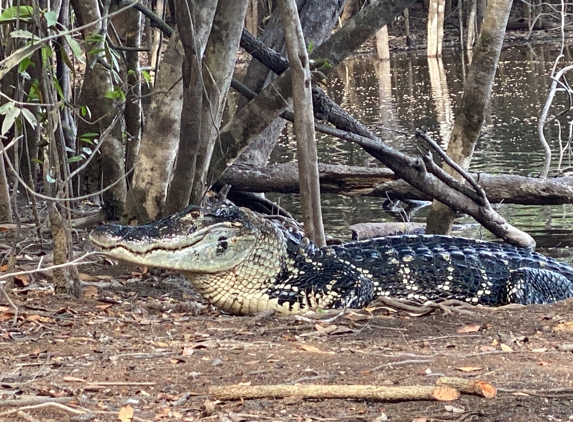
(382, 47)
(133, 111)
(472, 30)
(303, 123)
(223, 41)
(97, 83)
(190, 24)
(476, 97)
(5, 209)
(159, 141)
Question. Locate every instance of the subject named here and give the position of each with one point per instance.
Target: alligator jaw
(190, 241)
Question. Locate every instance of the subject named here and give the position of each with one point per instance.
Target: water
(407, 93)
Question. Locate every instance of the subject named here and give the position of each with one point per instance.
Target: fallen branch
(312, 391)
(476, 387)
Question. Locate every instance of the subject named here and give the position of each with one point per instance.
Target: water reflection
(410, 92)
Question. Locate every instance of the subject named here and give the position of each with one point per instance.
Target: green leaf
(76, 49)
(50, 179)
(35, 160)
(9, 120)
(24, 64)
(6, 107)
(74, 159)
(29, 116)
(51, 18)
(85, 111)
(46, 54)
(34, 93)
(12, 13)
(95, 51)
(21, 33)
(87, 150)
(116, 94)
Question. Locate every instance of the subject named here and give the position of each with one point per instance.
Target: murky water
(409, 93)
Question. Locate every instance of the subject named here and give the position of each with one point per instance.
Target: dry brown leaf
(87, 277)
(125, 414)
(420, 420)
(468, 328)
(6, 316)
(487, 348)
(104, 306)
(469, 368)
(539, 350)
(4, 268)
(564, 326)
(505, 348)
(89, 291)
(245, 383)
(23, 279)
(445, 393)
(74, 379)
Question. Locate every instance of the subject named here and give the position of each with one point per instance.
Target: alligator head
(196, 240)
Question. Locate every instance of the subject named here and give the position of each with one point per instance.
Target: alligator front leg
(533, 285)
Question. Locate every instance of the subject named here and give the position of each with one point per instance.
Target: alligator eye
(222, 245)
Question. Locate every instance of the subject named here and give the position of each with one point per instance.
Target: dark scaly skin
(245, 263)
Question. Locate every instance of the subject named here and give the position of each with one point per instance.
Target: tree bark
(97, 83)
(475, 99)
(159, 141)
(133, 110)
(435, 28)
(194, 25)
(303, 123)
(224, 42)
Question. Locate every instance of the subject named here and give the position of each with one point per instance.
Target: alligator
(244, 263)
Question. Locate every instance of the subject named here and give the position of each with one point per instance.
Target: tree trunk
(303, 123)
(475, 99)
(160, 139)
(5, 208)
(133, 112)
(472, 29)
(223, 41)
(350, 9)
(97, 83)
(382, 47)
(435, 28)
(252, 18)
(194, 24)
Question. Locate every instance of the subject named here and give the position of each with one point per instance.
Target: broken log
(382, 182)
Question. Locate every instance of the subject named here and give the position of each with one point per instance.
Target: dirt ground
(146, 343)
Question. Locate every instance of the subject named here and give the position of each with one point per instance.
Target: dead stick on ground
(479, 388)
(361, 392)
(38, 406)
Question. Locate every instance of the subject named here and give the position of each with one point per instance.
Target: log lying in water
(382, 182)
